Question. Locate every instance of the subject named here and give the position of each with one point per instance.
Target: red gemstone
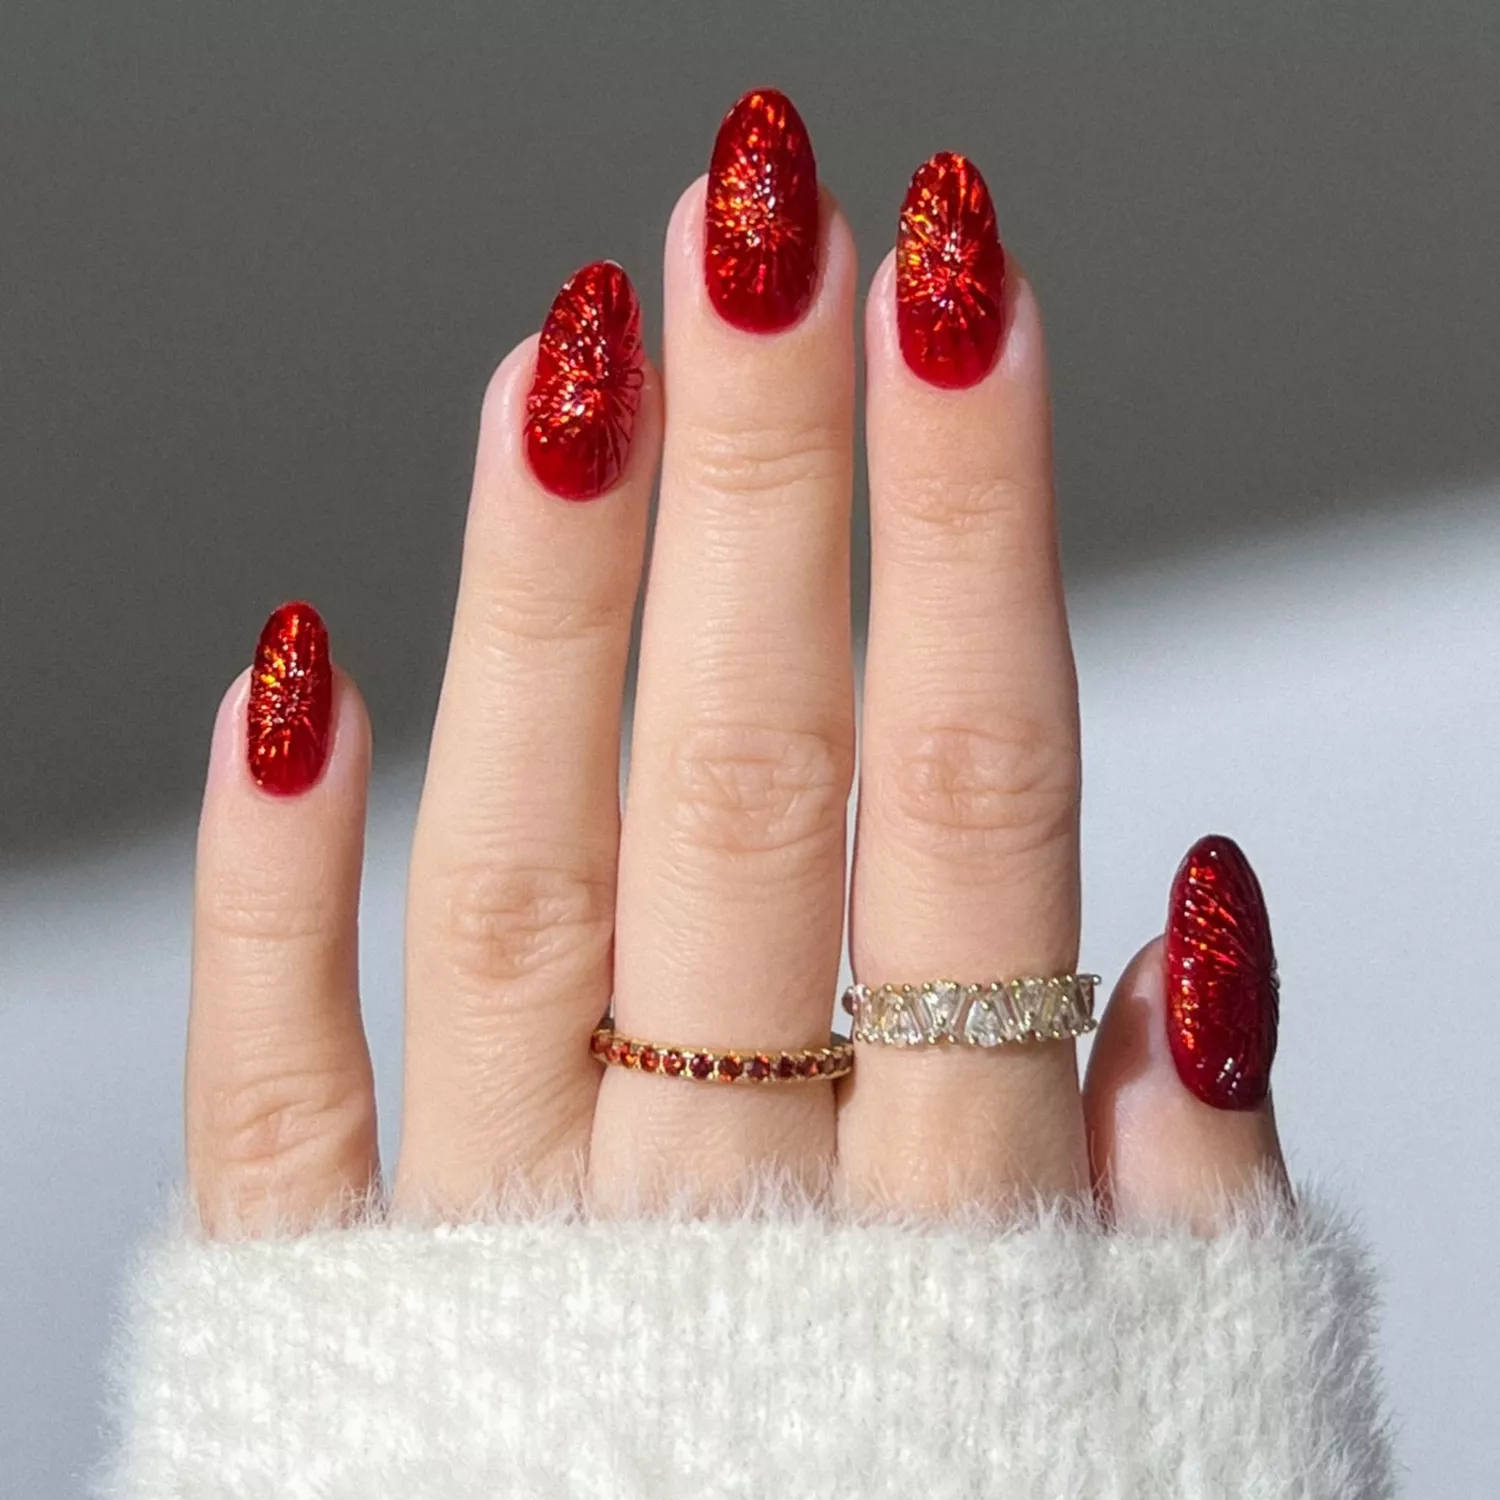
(786, 1066)
(649, 1058)
(760, 232)
(616, 1050)
(291, 701)
(758, 1067)
(589, 368)
(629, 1055)
(599, 1043)
(1223, 1002)
(807, 1067)
(672, 1063)
(950, 274)
(730, 1067)
(701, 1065)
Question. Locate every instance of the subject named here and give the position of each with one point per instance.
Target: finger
(1178, 1091)
(280, 1105)
(732, 858)
(511, 903)
(966, 863)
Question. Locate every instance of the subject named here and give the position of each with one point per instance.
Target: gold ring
(993, 1014)
(718, 1065)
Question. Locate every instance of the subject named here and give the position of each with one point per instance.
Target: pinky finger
(280, 1105)
(1177, 1099)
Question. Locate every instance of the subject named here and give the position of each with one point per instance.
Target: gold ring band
(718, 1065)
(994, 1014)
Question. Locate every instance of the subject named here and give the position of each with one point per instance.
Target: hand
(713, 916)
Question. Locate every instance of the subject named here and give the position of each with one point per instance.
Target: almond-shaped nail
(291, 701)
(580, 413)
(950, 274)
(1223, 1003)
(760, 229)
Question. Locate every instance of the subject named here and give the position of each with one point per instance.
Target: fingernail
(291, 700)
(1222, 992)
(950, 274)
(580, 414)
(760, 240)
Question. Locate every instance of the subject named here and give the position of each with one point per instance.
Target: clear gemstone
(983, 1027)
(899, 1023)
(940, 1006)
(1049, 1011)
(1028, 998)
(1066, 1011)
(1084, 994)
(1012, 1026)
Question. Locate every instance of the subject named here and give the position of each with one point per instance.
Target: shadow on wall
(255, 275)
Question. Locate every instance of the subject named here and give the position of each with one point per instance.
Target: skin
(714, 911)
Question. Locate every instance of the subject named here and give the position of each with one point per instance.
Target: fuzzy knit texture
(781, 1352)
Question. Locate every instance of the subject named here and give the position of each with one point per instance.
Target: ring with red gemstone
(723, 1065)
(1001, 1011)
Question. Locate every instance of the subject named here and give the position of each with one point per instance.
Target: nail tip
(762, 215)
(585, 390)
(289, 706)
(951, 274)
(1223, 1003)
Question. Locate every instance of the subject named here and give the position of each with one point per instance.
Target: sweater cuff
(774, 1355)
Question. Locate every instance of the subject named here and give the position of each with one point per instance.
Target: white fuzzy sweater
(779, 1354)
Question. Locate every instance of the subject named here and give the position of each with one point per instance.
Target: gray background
(256, 263)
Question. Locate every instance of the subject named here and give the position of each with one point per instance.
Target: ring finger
(967, 851)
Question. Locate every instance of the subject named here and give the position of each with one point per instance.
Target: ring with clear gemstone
(993, 1014)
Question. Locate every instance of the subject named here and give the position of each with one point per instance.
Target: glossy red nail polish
(1222, 991)
(291, 701)
(950, 274)
(760, 230)
(581, 411)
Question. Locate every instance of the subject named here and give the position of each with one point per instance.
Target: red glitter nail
(581, 411)
(950, 274)
(291, 701)
(760, 233)
(1222, 991)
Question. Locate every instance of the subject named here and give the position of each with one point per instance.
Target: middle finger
(729, 916)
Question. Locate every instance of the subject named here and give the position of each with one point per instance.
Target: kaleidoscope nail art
(291, 701)
(950, 274)
(580, 413)
(1223, 996)
(760, 233)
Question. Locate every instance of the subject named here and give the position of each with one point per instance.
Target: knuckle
(768, 460)
(244, 910)
(944, 507)
(266, 1130)
(519, 614)
(499, 923)
(756, 789)
(968, 796)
